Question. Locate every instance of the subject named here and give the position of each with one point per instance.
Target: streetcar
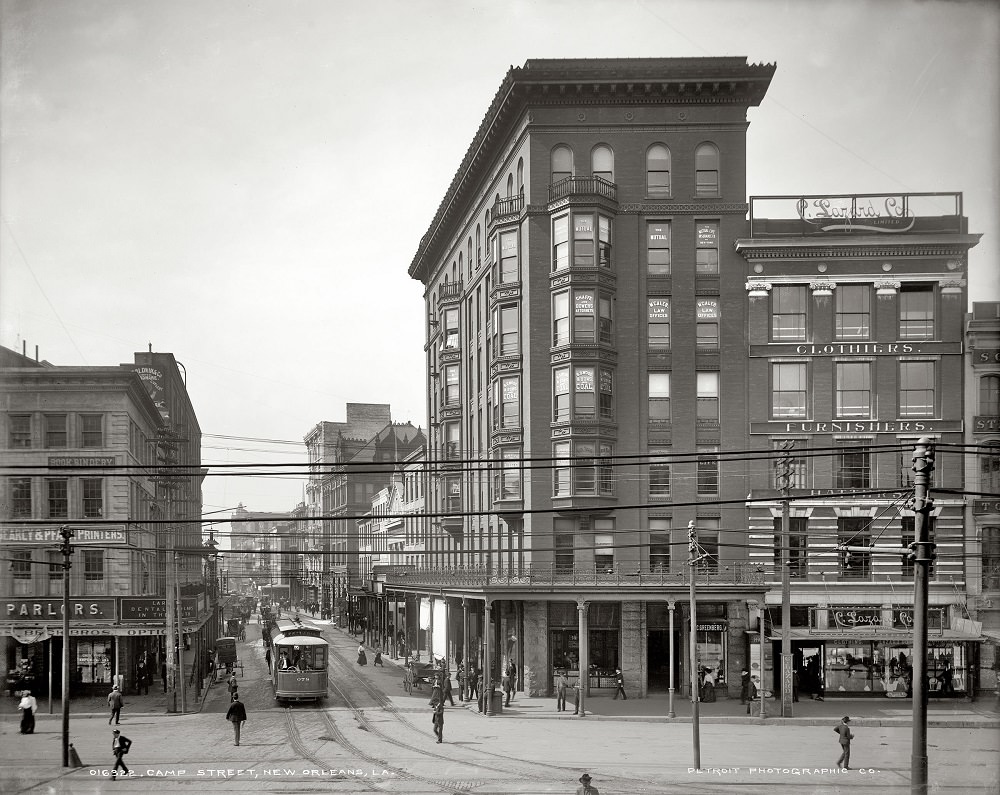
(299, 657)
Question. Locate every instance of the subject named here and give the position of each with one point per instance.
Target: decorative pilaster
(823, 289)
(758, 289)
(886, 288)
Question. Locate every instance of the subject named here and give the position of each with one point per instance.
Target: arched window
(479, 246)
(658, 171)
(469, 255)
(602, 161)
(989, 395)
(989, 467)
(520, 176)
(562, 163)
(510, 185)
(460, 267)
(706, 170)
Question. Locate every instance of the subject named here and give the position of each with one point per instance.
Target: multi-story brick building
(586, 357)
(983, 482)
(81, 448)
(856, 311)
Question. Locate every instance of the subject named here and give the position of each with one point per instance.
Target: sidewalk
(948, 713)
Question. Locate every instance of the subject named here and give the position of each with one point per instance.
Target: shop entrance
(658, 659)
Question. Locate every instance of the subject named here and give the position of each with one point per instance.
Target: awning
(847, 635)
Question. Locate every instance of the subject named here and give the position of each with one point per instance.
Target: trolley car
(298, 662)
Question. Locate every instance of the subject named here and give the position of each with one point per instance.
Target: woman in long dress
(362, 657)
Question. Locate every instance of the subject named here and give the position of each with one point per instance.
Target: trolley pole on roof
(923, 466)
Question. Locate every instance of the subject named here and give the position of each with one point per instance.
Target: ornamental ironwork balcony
(581, 186)
(611, 577)
(512, 205)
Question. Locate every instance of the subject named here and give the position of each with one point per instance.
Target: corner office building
(585, 339)
(80, 447)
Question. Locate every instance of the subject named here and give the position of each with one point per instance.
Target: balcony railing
(576, 186)
(508, 206)
(617, 576)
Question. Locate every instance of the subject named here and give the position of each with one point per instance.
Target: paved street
(370, 736)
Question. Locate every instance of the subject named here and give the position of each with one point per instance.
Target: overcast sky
(244, 184)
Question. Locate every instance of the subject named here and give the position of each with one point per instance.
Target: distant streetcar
(299, 656)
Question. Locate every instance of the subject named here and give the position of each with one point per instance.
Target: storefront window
(92, 661)
(886, 668)
(564, 636)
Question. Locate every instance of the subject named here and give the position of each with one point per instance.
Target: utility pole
(67, 549)
(923, 466)
(693, 558)
(787, 674)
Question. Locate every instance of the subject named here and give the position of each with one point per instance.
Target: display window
(91, 661)
(886, 668)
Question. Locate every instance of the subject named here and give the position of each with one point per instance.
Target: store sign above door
(49, 535)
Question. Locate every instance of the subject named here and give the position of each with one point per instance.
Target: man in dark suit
(119, 747)
(236, 715)
(846, 735)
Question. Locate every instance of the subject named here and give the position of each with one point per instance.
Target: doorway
(658, 660)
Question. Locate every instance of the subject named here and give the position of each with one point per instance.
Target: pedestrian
(28, 706)
(233, 686)
(586, 789)
(744, 686)
(116, 702)
(362, 657)
(945, 679)
(846, 735)
(163, 675)
(795, 685)
(437, 719)
(562, 684)
(576, 697)
(119, 747)
(446, 691)
(142, 678)
(237, 715)
(751, 695)
(378, 657)
(437, 695)
(474, 683)
(619, 685)
(267, 658)
(708, 686)
(511, 681)
(505, 685)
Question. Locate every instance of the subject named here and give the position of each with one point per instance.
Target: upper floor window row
(658, 167)
(659, 242)
(794, 317)
(53, 431)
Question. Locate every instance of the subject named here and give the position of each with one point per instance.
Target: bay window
(509, 261)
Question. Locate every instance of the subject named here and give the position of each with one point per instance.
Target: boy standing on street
(846, 735)
(438, 720)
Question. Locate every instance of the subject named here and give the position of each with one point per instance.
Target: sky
(244, 184)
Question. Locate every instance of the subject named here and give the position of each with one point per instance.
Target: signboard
(857, 213)
(859, 426)
(659, 309)
(35, 610)
(583, 224)
(987, 423)
(606, 382)
(708, 308)
(152, 379)
(584, 304)
(854, 349)
(49, 536)
(584, 379)
(143, 609)
(708, 235)
(717, 627)
(510, 390)
(986, 356)
(985, 506)
(56, 461)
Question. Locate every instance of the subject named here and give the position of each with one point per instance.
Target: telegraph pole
(923, 466)
(693, 558)
(787, 674)
(67, 549)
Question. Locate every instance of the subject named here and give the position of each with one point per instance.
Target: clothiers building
(856, 327)
(586, 361)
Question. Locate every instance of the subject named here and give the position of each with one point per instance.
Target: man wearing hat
(586, 789)
(846, 735)
(119, 747)
(116, 702)
(236, 715)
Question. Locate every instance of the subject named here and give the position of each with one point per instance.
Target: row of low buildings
(113, 453)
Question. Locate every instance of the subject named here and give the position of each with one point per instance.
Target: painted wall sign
(81, 461)
(986, 423)
(49, 536)
(987, 356)
(152, 378)
(659, 309)
(51, 609)
(985, 506)
(858, 426)
(854, 349)
(708, 309)
(708, 235)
